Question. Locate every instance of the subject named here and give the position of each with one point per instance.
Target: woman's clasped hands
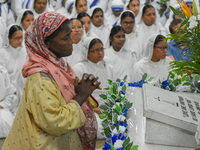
(85, 87)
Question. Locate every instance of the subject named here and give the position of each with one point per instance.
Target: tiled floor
(99, 143)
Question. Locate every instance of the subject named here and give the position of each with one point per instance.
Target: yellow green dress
(44, 121)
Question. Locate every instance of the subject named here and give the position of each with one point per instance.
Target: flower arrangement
(114, 116)
(190, 36)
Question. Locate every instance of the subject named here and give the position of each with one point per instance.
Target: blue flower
(121, 83)
(123, 124)
(132, 84)
(121, 148)
(125, 112)
(122, 93)
(114, 138)
(123, 137)
(165, 84)
(107, 146)
(137, 84)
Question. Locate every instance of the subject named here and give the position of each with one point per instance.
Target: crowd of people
(109, 39)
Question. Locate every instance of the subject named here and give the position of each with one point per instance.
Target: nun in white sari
(100, 26)
(133, 41)
(7, 98)
(13, 57)
(117, 6)
(93, 63)
(120, 57)
(155, 62)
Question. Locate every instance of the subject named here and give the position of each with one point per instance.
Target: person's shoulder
(40, 77)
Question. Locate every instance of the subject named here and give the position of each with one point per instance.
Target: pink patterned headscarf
(41, 59)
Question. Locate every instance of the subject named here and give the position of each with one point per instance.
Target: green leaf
(134, 147)
(128, 147)
(150, 79)
(184, 77)
(103, 96)
(115, 118)
(124, 88)
(114, 97)
(104, 107)
(112, 147)
(118, 109)
(125, 78)
(129, 105)
(113, 89)
(126, 141)
(194, 8)
(144, 77)
(187, 83)
(109, 82)
(101, 116)
(123, 98)
(106, 131)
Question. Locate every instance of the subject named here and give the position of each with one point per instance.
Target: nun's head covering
(19, 17)
(188, 2)
(69, 4)
(56, 4)
(7, 33)
(86, 44)
(120, 19)
(148, 53)
(117, 5)
(33, 9)
(105, 21)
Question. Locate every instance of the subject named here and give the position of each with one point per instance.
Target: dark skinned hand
(85, 87)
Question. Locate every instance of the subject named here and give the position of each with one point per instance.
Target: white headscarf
(115, 5)
(69, 4)
(19, 18)
(86, 44)
(119, 21)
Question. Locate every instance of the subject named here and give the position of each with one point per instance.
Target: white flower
(122, 129)
(193, 22)
(118, 144)
(114, 131)
(121, 118)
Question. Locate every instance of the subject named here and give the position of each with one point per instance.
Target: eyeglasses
(97, 50)
(163, 48)
(76, 28)
(126, 23)
(17, 38)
